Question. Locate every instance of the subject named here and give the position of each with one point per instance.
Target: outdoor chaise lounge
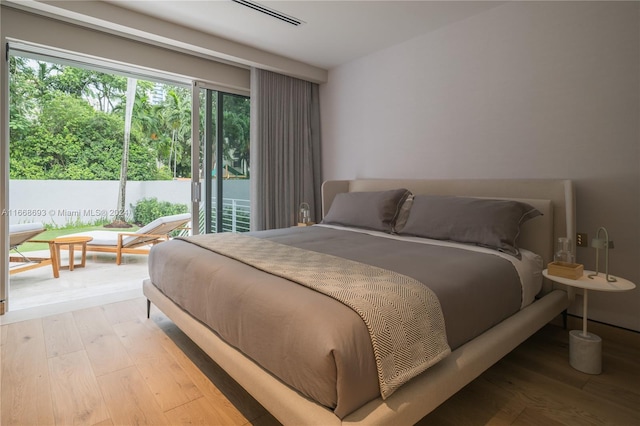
(20, 234)
(137, 242)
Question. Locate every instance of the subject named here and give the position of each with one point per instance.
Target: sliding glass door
(91, 149)
(69, 116)
(225, 168)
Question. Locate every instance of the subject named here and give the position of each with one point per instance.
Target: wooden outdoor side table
(71, 243)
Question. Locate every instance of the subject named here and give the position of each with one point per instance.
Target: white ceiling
(334, 32)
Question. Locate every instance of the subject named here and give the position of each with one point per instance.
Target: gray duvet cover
(314, 343)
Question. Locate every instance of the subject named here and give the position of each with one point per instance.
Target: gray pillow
(485, 222)
(375, 210)
(403, 215)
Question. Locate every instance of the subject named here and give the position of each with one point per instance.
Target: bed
(267, 366)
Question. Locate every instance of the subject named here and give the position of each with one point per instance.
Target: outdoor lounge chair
(137, 242)
(20, 234)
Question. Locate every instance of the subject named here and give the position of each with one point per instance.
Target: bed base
(407, 405)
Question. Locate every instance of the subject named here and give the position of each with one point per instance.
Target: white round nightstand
(585, 349)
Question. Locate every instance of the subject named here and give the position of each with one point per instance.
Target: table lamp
(602, 243)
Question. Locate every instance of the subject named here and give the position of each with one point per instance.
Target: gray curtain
(285, 149)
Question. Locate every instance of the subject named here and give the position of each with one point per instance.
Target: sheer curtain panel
(285, 149)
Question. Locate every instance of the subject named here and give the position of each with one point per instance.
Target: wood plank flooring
(109, 365)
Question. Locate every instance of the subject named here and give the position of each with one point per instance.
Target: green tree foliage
(68, 123)
(176, 116)
(149, 209)
(236, 127)
(73, 141)
(23, 97)
(104, 90)
(65, 124)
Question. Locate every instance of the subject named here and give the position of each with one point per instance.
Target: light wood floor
(109, 365)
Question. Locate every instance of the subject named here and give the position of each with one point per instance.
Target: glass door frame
(210, 135)
(196, 193)
(208, 160)
(4, 178)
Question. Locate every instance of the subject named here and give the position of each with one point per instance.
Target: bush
(149, 209)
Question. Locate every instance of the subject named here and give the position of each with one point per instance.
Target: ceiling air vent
(271, 12)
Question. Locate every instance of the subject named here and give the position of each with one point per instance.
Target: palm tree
(122, 189)
(176, 113)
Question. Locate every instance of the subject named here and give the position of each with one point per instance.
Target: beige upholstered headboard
(554, 198)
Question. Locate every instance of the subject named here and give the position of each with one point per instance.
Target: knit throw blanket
(403, 316)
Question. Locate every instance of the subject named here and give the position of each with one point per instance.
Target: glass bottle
(563, 251)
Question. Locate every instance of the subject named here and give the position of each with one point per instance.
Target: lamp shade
(599, 243)
(304, 214)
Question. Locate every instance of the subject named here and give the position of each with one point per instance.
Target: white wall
(524, 90)
(62, 202)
